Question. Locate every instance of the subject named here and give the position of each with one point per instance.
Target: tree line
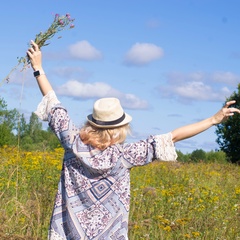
(14, 130)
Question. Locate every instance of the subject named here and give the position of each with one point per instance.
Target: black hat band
(106, 123)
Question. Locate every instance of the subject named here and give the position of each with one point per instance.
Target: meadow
(168, 200)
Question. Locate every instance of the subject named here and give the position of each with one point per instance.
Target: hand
(35, 56)
(225, 112)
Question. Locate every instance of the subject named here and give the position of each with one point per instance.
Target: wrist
(213, 121)
(37, 67)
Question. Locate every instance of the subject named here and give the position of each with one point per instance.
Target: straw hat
(108, 113)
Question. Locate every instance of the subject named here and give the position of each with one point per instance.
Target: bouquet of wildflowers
(41, 39)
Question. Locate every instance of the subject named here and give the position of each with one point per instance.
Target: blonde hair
(102, 138)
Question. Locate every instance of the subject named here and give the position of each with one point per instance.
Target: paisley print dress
(93, 196)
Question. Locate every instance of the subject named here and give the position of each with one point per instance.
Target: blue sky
(171, 63)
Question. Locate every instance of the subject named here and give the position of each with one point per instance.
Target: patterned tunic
(93, 197)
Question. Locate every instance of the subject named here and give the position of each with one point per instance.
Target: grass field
(168, 201)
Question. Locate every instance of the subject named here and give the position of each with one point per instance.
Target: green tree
(183, 157)
(228, 132)
(216, 156)
(33, 137)
(53, 141)
(198, 155)
(22, 127)
(8, 123)
(35, 126)
(29, 133)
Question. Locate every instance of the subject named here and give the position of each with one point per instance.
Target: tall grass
(185, 201)
(168, 200)
(28, 182)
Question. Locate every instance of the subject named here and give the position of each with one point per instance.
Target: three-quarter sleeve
(44, 107)
(51, 110)
(158, 147)
(164, 148)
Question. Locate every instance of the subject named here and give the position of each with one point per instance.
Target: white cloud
(196, 90)
(198, 86)
(79, 90)
(76, 89)
(83, 50)
(142, 54)
(133, 102)
(226, 77)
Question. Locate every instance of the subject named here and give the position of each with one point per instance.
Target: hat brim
(125, 121)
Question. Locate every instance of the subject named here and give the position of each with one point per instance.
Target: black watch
(37, 73)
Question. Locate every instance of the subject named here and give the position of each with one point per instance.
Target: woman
(93, 195)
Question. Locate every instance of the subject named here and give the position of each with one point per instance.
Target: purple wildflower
(56, 16)
(60, 21)
(68, 16)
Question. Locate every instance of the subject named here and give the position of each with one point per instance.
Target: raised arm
(35, 57)
(196, 128)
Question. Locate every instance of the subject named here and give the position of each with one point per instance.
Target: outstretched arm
(196, 128)
(35, 57)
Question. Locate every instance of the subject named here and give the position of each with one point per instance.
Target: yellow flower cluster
(28, 182)
(185, 201)
(168, 200)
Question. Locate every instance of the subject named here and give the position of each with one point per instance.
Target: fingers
(34, 46)
(225, 112)
(229, 103)
(229, 111)
(30, 52)
(234, 110)
(33, 50)
(34, 55)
